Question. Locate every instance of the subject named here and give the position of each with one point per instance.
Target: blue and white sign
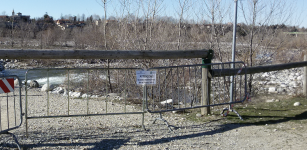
(145, 77)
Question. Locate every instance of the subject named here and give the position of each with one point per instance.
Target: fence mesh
(180, 87)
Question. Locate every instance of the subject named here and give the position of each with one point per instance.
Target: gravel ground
(126, 132)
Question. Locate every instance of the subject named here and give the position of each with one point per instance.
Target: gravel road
(126, 132)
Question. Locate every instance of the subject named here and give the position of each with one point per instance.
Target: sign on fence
(145, 77)
(6, 85)
(10, 106)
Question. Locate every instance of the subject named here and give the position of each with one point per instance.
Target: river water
(55, 77)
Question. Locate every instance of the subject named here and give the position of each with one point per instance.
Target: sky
(58, 8)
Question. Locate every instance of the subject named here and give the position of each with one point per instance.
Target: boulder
(34, 84)
(297, 104)
(58, 90)
(75, 94)
(166, 101)
(45, 88)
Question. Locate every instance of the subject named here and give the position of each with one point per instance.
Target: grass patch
(261, 113)
(272, 112)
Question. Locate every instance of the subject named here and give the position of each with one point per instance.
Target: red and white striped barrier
(6, 85)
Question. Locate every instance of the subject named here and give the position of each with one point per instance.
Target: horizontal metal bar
(83, 115)
(186, 108)
(57, 69)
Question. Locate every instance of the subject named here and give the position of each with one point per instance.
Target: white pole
(305, 78)
(233, 50)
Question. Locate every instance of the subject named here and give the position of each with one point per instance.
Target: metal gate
(81, 92)
(10, 105)
(176, 88)
(180, 87)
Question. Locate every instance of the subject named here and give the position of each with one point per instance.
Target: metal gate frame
(17, 125)
(216, 70)
(27, 117)
(213, 72)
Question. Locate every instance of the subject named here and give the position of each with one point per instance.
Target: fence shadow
(116, 141)
(301, 116)
(104, 144)
(225, 128)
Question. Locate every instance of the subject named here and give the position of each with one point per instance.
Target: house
(65, 23)
(13, 20)
(19, 17)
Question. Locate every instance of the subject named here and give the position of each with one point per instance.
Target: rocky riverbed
(286, 82)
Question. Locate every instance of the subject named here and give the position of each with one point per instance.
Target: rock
(198, 115)
(75, 94)
(58, 90)
(283, 85)
(281, 90)
(291, 77)
(45, 88)
(34, 84)
(297, 104)
(272, 90)
(166, 101)
(270, 101)
(293, 84)
(264, 75)
(94, 96)
(65, 92)
(85, 96)
(299, 78)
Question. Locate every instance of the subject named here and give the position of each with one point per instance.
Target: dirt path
(126, 132)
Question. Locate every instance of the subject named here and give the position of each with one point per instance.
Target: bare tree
(184, 6)
(258, 16)
(217, 11)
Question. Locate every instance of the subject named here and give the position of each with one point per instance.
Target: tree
(184, 6)
(260, 36)
(217, 11)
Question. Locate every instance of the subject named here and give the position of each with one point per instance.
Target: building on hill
(19, 17)
(65, 23)
(13, 20)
